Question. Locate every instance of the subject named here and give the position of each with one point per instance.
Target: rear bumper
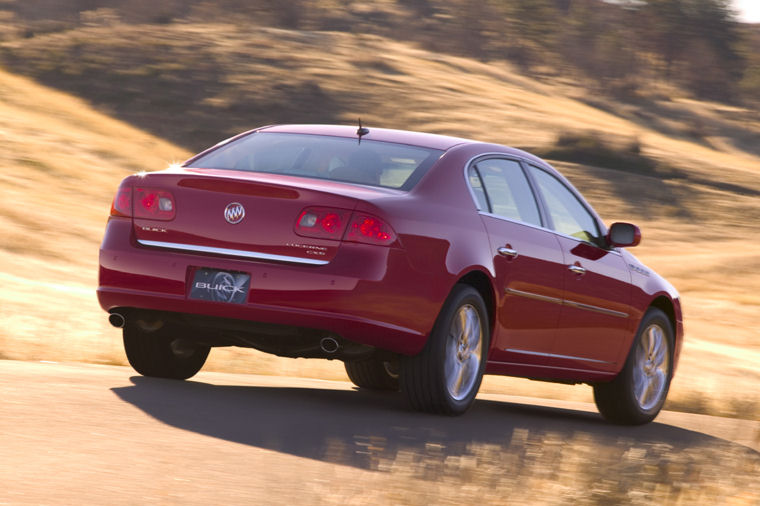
(366, 294)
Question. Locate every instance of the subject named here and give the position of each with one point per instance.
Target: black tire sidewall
(653, 315)
(370, 373)
(150, 353)
(460, 296)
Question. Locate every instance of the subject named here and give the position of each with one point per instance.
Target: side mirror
(623, 235)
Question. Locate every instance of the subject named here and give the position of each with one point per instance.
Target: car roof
(425, 140)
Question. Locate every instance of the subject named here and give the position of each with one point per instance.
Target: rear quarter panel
(440, 229)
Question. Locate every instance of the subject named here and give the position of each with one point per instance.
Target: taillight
(154, 204)
(322, 222)
(370, 230)
(148, 203)
(330, 223)
(122, 202)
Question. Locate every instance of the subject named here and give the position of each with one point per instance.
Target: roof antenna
(361, 131)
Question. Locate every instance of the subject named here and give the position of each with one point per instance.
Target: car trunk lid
(230, 213)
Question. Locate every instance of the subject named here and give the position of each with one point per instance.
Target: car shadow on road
(365, 429)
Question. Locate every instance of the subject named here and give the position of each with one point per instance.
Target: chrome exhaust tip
(329, 345)
(117, 320)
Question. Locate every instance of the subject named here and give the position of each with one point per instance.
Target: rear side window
(568, 214)
(500, 186)
(323, 157)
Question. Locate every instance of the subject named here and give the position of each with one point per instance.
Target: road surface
(92, 434)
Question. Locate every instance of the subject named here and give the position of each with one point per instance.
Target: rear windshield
(323, 157)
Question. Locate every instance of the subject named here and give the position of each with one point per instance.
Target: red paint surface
(387, 296)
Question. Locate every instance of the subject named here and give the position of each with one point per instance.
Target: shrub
(593, 149)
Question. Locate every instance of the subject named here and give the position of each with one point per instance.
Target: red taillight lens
(122, 202)
(322, 222)
(370, 230)
(154, 204)
(148, 203)
(329, 223)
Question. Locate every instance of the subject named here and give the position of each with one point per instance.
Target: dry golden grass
(541, 467)
(62, 160)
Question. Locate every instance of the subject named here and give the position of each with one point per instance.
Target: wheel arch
(480, 281)
(665, 305)
(672, 311)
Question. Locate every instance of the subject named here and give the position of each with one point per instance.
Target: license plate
(220, 286)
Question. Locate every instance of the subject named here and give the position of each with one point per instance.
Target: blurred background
(650, 107)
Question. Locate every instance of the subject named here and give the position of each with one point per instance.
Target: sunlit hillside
(61, 162)
(62, 159)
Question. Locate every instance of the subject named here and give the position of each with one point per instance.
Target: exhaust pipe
(329, 345)
(117, 320)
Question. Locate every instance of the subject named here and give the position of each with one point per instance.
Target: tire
(637, 394)
(372, 374)
(445, 376)
(161, 355)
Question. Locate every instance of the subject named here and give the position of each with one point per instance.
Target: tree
(696, 41)
(530, 28)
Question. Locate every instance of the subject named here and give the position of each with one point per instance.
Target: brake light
(331, 223)
(122, 202)
(370, 230)
(322, 222)
(154, 204)
(148, 203)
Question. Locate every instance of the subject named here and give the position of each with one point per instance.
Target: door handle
(577, 269)
(507, 252)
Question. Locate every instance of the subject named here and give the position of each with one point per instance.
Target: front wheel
(445, 376)
(638, 393)
(161, 354)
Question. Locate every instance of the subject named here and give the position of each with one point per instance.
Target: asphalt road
(90, 434)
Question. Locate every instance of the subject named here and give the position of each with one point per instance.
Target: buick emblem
(234, 213)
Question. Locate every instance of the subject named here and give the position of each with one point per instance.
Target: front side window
(323, 157)
(500, 186)
(569, 215)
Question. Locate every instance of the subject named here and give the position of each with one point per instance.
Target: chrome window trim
(503, 156)
(469, 186)
(566, 302)
(518, 159)
(562, 180)
(554, 355)
(537, 227)
(470, 162)
(231, 252)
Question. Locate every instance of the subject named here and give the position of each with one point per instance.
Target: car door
(527, 259)
(595, 320)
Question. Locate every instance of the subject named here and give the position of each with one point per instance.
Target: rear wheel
(373, 373)
(638, 393)
(159, 353)
(445, 376)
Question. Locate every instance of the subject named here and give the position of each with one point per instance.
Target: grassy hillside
(194, 84)
(60, 164)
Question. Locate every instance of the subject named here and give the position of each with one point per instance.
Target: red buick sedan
(421, 261)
